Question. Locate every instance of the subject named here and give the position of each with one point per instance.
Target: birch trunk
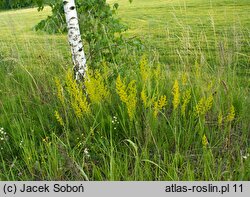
(74, 38)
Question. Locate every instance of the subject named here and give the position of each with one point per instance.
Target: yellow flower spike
(157, 73)
(200, 107)
(184, 78)
(84, 106)
(220, 118)
(59, 91)
(209, 103)
(59, 118)
(71, 84)
(144, 98)
(176, 94)
(156, 108)
(210, 85)
(128, 95)
(96, 88)
(78, 99)
(160, 104)
(162, 101)
(132, 99)
(106, 70)
(186, 99)
(204, 141)
(121, 89)
(91, 130)
(144, 69)
(204, 105)
(231, 115)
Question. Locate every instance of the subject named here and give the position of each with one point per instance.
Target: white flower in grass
(21, 143)
(115, 122)
(86, 152)
(245, 156)
(3, 135)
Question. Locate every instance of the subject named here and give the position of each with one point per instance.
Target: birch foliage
(99, 26)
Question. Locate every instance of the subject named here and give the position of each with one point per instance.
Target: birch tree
(75, 41)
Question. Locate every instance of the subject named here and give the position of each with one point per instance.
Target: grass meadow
(179, 110)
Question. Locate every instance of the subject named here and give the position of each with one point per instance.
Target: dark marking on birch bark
(65, 2)
(72, 18)
(74, 45)
(72, 8)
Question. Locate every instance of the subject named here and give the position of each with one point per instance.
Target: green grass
(183, 26)
(206, 41)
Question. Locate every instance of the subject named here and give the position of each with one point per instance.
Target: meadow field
(175, 109)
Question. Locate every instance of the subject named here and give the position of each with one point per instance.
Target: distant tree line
(13, 4)
(10, 4)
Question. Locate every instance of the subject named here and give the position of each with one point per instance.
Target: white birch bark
(74, 38)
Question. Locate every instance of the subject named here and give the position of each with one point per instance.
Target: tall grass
(178, 112)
